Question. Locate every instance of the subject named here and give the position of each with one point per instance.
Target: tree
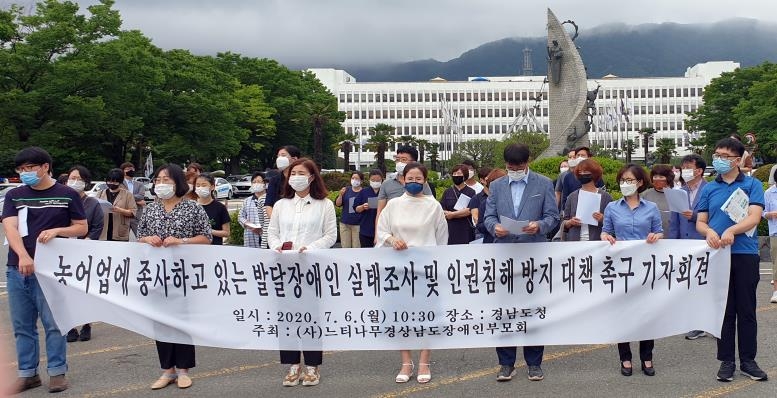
(628, 149)
(423, 145)
(757, 113)
(480, 151)
(665, 150)
(434, 155)
(381, 136)
(537, 143)
(646, 133)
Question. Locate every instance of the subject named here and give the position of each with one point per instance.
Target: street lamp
(359, 152)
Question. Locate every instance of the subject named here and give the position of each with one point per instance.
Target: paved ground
(117, 363)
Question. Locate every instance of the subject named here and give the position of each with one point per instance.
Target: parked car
(96, 188)
(4, 188)
(709, 171)
(224, 189)
(243, 186)
(147, 183)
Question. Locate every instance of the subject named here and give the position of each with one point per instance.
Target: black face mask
(585, 178)
(458, 180)
(112, 185)
(130, 173)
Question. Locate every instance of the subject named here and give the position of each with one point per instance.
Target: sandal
(424, 378)
(404, 378)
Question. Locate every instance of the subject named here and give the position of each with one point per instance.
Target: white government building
(450, 112)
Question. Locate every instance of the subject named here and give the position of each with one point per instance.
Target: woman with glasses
(633, 218)
(663, 178)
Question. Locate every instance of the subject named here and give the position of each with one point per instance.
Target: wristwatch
(185, 240)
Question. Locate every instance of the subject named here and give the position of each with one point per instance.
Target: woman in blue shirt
(368, 215)
(349, 223)
(633, 218)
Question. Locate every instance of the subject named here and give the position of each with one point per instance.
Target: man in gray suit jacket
(138, 190)
(521, 196)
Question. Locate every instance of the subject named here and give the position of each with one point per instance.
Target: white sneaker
(774, 297)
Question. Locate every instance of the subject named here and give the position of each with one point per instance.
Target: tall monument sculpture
(567, 91)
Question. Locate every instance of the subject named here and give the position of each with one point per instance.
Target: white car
(224, 189)
(4, 188)
(243, 186)
(96, 188)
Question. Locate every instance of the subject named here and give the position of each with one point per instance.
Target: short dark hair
(459, 167)
(697, 160)
(483, 172)
(735, 136)
(377, 172)
(126, 164)
(257, 174)
(207, 177)
(586, 149)
(470, 163)
(115, 175)
(731, 144)
(317, 187)
(407, 149)
(517, 154)
(175, 172)
(416, 165)
(662, 170)
(639, 174)
(358, 173)
(292, 150)
(33, 155)
(83, 171)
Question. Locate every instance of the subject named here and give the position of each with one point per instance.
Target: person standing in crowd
(51, 210)
(413, 220)
(720, 231)
(303, 219)
(395, 187)
(194, 168)
(678, 177)
(770, 213)
(523, 196)
(569, 183)
(362, 206)
(350, 220)
(78, 177)
(746, 161)
(478, 204)
(471, 176)
(191, 180)
(460, 228)
(772, 178)
(286, 155)
(218, 215)
(118, 221)
(252, 215)
(563, 169)
(683, 225)
(169, 221)
(662, 177)
(138, 192)
(588, 172)
(633, 218)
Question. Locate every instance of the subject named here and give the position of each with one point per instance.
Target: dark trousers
(173, 355)
(312, 358)
(531, 354)
(645, 350)
(366, 241)
(739, 319)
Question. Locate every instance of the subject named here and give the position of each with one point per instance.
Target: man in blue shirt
(720, 231)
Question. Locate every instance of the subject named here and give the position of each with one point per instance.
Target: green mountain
(649, 50)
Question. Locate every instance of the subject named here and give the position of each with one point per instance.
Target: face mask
(400, 167)
(687, 174)
(659, 185)
(628, 189)
(299, 183)
(414, 188)
(257, 188)
(29, 178)
(516, 175)
(78, 185)
(573, 162)
(356, 183)
(563, 170)
(113, 186)
(458, 180)
(585, 178)
(164, 191)
(203, 192)
(721, 166)
(129, 173)
(375, 184)
(282, 162)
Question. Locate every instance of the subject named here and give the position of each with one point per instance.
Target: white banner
(380, 299)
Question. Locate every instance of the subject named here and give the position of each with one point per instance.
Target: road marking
(487, 372)
(730, 387)
(100, 351)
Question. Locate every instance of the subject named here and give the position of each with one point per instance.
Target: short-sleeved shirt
(367, 223)
(714, 195)
(187, 219)
(218, 215)
(631, 224)
(350, 216)
(392, 188)
(55, 207)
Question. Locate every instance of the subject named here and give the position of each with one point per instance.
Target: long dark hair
(317, 187)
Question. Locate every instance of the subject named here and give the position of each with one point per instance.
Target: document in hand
(587, 205)
(677, 199)
(737, 206)
(462, 203)
(513, 226)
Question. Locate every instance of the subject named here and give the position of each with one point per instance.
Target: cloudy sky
(326, 32)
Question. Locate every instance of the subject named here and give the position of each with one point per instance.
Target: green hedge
(235, 230)
(762, 173)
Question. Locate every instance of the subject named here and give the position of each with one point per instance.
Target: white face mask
(164, 191)
(628, 189)
(257, 188)
(687, 174)
(78, 185)
(299, 183)
(400, 167)
(573, 162)
(517, 175)
(282, 162)
(356, 183)
(375, 184)
(203, 192)
(563, 169)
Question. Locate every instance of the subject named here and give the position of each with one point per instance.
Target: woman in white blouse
(412, 220)
(304, 219)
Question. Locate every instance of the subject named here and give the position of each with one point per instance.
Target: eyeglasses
(628, 181)
(717, 156)
(27, 168)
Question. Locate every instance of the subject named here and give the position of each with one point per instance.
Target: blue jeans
(26, 302)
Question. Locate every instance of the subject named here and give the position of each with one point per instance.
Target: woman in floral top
(171, 221)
